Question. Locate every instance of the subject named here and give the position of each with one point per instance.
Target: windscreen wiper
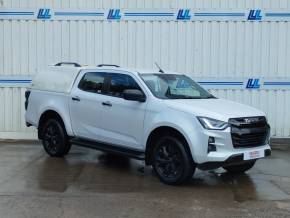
(211, 96)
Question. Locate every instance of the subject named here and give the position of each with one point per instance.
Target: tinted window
(93, 82)
(120, 82)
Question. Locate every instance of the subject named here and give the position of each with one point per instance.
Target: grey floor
(88, 183)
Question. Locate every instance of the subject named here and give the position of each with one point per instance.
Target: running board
(110, 148)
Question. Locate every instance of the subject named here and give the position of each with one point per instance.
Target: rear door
(86, 104)
(122, 120)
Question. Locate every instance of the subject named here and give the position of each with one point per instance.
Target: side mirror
(134, 95)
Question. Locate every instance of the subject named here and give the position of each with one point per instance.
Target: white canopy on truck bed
(56, 79)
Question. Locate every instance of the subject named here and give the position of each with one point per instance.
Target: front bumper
(234, 159)
(224, 148)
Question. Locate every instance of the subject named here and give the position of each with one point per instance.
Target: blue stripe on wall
(277, 83)
(222, 83)
(78, 14)
(277, 14)
(133, 14)
(210, 83)
(8, 13)
(204, 83)
(205, 14)
(15, 81)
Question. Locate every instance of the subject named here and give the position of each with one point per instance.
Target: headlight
(209, 123)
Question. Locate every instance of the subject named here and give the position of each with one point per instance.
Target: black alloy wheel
(171, 161)
(54, 139)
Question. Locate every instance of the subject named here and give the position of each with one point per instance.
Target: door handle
(76, 98)
(107, 103)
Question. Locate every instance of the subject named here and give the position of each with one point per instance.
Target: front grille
(249, 131)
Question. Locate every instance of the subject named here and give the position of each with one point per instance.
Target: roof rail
(108, 65)
(67, 63)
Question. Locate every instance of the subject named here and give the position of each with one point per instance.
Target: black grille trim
(249, 131)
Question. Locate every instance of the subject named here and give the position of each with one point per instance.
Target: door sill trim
(107, 147)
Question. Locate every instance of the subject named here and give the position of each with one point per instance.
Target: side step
(136, 154)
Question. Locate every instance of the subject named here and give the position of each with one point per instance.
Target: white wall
(236, 4)
(212, 49)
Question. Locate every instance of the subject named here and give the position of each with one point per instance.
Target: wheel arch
(157, 133)
(47, 114)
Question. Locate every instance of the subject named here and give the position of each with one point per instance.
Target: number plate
(254, 154)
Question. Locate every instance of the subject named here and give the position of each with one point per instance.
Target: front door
(122, 120)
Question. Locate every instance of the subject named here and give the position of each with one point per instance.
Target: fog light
(211, 140)
(211, 146)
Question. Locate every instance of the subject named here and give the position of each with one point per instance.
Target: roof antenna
(160, 70)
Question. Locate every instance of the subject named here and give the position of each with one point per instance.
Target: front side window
(174, 86)
(93, 82)
(120, 82)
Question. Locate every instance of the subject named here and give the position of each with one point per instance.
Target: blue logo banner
(253, 83)
(114, 14)
(44, 13)
(255, 15)
(183, 14)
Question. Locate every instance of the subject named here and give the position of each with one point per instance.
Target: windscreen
(174, 86)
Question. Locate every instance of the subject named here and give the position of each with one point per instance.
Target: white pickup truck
(164, 118)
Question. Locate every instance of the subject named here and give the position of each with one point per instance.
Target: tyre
(55, 140)
(171, 161)
(241, 168)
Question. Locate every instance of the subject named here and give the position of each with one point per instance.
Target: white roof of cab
(61, 78)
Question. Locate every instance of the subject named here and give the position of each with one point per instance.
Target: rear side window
(119, 82)
(93, 82)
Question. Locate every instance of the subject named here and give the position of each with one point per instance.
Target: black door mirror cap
(134, 95)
